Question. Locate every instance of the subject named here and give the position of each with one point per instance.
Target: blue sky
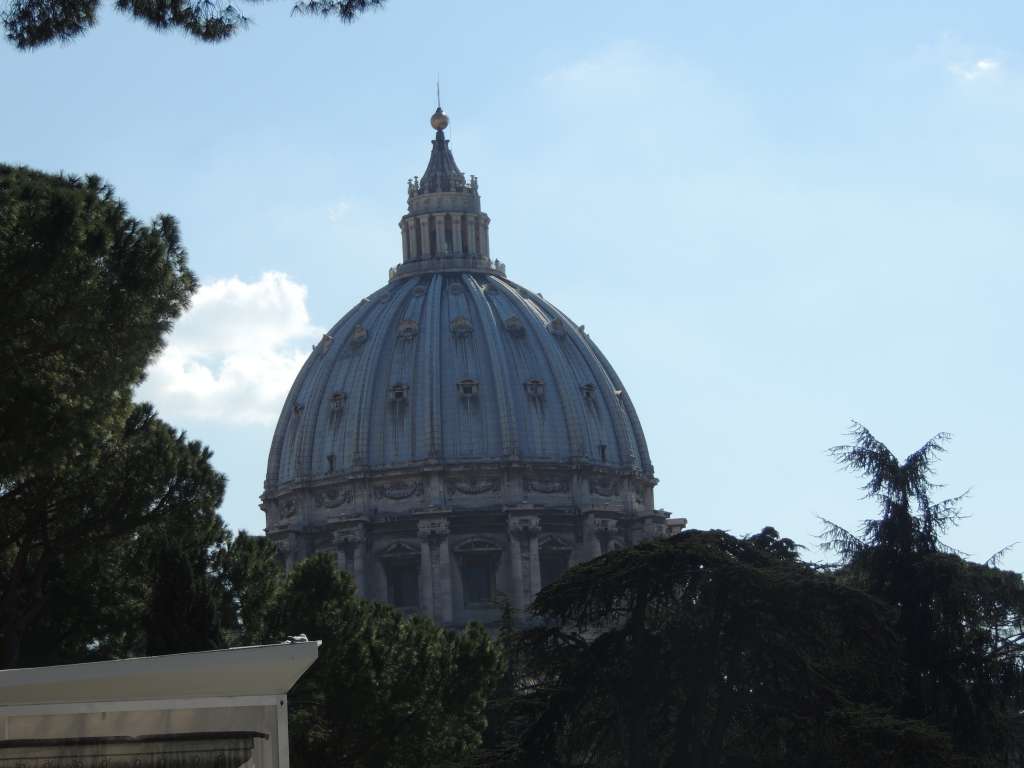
(773, 218)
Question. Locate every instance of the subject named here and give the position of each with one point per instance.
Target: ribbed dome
(454, 368)
(455, 437)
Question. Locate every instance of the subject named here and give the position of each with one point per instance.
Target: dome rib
(601, 379)
(555, 359)
(499, 371)
(371, 390)
(627, 402)
(501, 423)
(436, 440)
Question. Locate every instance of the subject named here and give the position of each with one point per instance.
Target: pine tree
(961, 623)
(33, 23)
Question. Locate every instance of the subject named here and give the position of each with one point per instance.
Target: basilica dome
(455, 439)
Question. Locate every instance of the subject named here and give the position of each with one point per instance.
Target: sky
(773, 218)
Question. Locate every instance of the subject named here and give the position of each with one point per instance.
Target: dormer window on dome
(535, 388)
(469, 388)
(398, 393)
(461, 327)
(408, 329)
(358, 337)
(514, 326)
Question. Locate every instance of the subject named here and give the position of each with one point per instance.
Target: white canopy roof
(259, 670)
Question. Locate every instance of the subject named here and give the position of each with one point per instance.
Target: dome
(454, 368)
(455, 437)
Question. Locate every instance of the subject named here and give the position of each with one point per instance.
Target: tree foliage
(710, 650)
(961, 623)
(88, 294)
(182, 583)
(33, 23)
(67, 521)
(388, 690)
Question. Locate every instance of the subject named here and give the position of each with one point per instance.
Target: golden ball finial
(439, 120)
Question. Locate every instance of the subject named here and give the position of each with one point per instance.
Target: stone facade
(455, 438)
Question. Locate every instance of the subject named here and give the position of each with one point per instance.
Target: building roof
(259, 670)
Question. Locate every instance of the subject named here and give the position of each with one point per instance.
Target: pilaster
(524, 531)
(457, 233)
(435, 583)
(424, 222)
(602, 531)
(350, 543)
(442, 246)
(471, 225)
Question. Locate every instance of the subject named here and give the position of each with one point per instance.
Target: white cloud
(233, 356)
(338, 210)
(972, 71)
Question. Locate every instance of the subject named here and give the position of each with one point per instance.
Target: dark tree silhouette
(961, 623)
(710, 650)
(87, 295)
(388, 690)
(32, 23)
(182, 614)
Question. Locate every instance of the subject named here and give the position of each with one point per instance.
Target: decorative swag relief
(473, 486)
(546, 486)
(399, 491)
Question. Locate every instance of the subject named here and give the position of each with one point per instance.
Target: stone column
(426, 577)
(457, 233)
(524, 529)
(359, 569)
(350, 541)
(424, 222)
(534, 564)
(471, 246)
(439, 230)
(603, 530)
(436, 599)
(411, 233)
(592, 544)
(286, 548)
(445, 567)
(515, 554)
(485, 235)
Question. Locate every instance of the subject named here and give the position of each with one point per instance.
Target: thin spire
(439, 90)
